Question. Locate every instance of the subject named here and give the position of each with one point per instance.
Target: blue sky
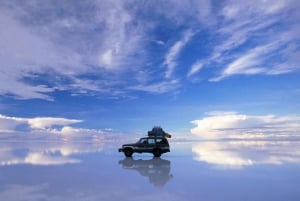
(129, 65)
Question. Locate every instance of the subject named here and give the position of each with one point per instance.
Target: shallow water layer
(200, 170)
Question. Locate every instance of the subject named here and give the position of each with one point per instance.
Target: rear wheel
(156, 153)
(128, 152)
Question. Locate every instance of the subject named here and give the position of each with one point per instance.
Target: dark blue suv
(154, 145)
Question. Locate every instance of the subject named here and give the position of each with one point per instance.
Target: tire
(128, 152)
(156, 153)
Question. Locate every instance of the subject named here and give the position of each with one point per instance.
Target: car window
(151, 141)
(143, 141)
(161, 141)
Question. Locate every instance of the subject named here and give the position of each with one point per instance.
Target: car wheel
(156, 153)
(128, 152)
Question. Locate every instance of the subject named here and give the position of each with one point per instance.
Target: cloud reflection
(46, 153)
(239, 154)
(156, 169)
(45, 149)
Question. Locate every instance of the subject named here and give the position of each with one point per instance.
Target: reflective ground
(199, 170)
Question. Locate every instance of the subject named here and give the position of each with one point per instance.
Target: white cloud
(195, 68)
(235, 8)
(24, 52)
(106, 58)
(241, 126)
(160, 88)
(108, 41)
(48, 122)
(238, 31)
(246, 64)
(11, 123)
(183, 12)
(255, 61)
(112, 41)
(173, 53)
(121, 39)
(274, 7)
(247, 29)
(69, 131)
(29, 50)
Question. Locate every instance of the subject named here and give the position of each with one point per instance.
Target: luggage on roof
(157, 131)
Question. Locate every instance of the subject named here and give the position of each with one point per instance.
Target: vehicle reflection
(157, 169)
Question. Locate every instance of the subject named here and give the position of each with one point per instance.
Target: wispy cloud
(47, 48)
(109, 40)
(195, 68)
(161, 87)
(261, 59)
(249, 63)
(241, 126)
(24, 53)
(100, 41)
(244, 33)
(172, 55)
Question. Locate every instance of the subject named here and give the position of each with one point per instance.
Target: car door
(151, 144)
(143, 145)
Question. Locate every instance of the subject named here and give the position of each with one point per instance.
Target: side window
(151, 141)
(144, 141)
(161, 141)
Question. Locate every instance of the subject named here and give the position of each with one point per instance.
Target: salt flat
(199, 170)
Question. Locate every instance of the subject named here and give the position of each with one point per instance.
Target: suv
(154, 145)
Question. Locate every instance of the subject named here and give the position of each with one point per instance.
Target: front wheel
(128, 152)
(156, 153)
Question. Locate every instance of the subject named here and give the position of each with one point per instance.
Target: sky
(207, 68)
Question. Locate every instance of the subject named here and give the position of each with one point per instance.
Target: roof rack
(157, 131)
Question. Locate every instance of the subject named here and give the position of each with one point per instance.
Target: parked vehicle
(153, 144)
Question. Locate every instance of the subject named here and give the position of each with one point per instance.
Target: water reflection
(44, 153)
(157, 169)
(239, 154)
(100, 177)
